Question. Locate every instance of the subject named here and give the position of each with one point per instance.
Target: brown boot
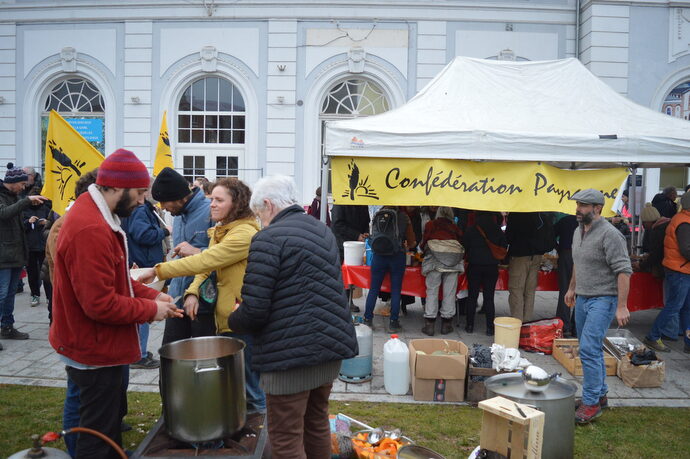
(429, 327)
(446, 326)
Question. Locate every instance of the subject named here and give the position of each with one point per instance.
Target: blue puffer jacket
(293, 297)
(144, 236)
(191, 226)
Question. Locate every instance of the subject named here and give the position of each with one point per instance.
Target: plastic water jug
(358, 368)
(396, 366)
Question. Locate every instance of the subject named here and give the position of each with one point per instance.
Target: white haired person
(294, 304)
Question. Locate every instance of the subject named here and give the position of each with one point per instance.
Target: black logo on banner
(165, 139)
(65, 167)
(357, 187)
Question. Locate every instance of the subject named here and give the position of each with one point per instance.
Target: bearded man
(600, 281)
(96, 304)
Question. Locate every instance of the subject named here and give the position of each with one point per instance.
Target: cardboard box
(574, 366)
(651, 375)
(438, 378)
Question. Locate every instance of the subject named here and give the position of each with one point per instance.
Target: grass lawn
(451, 430)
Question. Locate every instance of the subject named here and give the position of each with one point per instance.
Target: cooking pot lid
(511, 385)
(418, 452)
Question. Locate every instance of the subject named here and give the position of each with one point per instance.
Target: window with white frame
(211, 111)
(193, 166)
(227, 166)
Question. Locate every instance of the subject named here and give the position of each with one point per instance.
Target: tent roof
(551, 111)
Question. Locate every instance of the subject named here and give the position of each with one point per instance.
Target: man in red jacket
(96, 305)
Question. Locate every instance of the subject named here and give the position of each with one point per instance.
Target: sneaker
(146, 363)
(668, 338)
(12, 333)
(35, 300)
(587, 413)
(603, 402)
(394, 326)
(657, 345)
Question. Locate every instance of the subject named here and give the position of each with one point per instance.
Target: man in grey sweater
(601, 280)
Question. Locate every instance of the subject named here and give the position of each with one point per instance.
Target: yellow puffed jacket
(227, 254)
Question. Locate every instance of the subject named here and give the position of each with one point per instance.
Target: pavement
(34, 362)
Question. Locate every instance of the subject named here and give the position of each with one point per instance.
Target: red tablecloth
(645, 289)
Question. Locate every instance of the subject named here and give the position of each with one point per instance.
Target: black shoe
(124, 427)
(686, 348)
(369, 323)
(146, 363)
(469, 328)
(446, 326)
(429, 327)
(12, 333)
(354, 308)
(403, 309)
(20, 288)
(490, 331)
(394, 326)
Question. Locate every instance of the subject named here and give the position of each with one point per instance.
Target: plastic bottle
(396, 366)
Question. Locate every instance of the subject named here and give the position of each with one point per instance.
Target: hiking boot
(12, 333)
(446, 326)
(657, 345)
(587, 413)
(369, 323)
(603, 402)
(147, 363)
(429, 327)
(394, 326)
(35, 300)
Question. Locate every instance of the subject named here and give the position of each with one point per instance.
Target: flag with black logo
(68, 156)
(163, 153)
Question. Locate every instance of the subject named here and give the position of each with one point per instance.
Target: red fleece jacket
(95, 315)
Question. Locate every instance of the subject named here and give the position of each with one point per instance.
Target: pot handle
(199, 369)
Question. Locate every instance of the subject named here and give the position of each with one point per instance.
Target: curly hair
(83, 183)
(240, 193)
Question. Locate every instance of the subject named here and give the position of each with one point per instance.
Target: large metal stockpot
(202, 387)
(557, 403)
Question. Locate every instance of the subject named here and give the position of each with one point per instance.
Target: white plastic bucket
(396, 366)
(507, 331)
(354, 253)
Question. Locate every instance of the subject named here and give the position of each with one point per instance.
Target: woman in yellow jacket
(226, 255)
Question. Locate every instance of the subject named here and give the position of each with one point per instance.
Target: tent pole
(325, 163)
(631, 208)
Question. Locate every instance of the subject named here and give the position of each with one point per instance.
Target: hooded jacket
(293, 297)
(13, 249)
(96, 304)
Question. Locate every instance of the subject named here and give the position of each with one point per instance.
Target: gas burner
(250, 442)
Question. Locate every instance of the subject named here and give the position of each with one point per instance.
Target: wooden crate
(476, 390)
(506, 431)
(574, 366)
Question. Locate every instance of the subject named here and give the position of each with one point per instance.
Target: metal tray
(618, 342)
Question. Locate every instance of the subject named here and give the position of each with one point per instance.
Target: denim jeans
(256, 399)
(9, 278)
(677, 302)
(380, 265)
(143, 338)
(593, 317)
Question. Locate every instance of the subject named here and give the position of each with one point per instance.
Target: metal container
(202, 387)
(557, 403)
(358, 368)
(620, 341)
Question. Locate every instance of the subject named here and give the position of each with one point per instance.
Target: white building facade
(248, 84)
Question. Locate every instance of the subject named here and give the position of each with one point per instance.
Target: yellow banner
(163, 153)
(498, 186)
(68, 156)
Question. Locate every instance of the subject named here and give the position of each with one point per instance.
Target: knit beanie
(169, 186)
(685, 201)
(649, 213)
(15, 174)
(122, 169)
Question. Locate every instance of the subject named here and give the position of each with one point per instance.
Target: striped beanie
(15, 174)
(121, 169)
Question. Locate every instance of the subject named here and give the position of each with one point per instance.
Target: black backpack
(545, 237)
(385, 238)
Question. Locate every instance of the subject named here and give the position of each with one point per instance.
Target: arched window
(669, 111)
(211, 128)
(80, 102)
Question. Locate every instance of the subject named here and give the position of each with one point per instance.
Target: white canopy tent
(550, 111)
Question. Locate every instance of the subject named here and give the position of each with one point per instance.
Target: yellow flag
(68, 156)
(163, 153)
(500, 186)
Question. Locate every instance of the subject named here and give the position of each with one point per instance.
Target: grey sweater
(599, 256)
